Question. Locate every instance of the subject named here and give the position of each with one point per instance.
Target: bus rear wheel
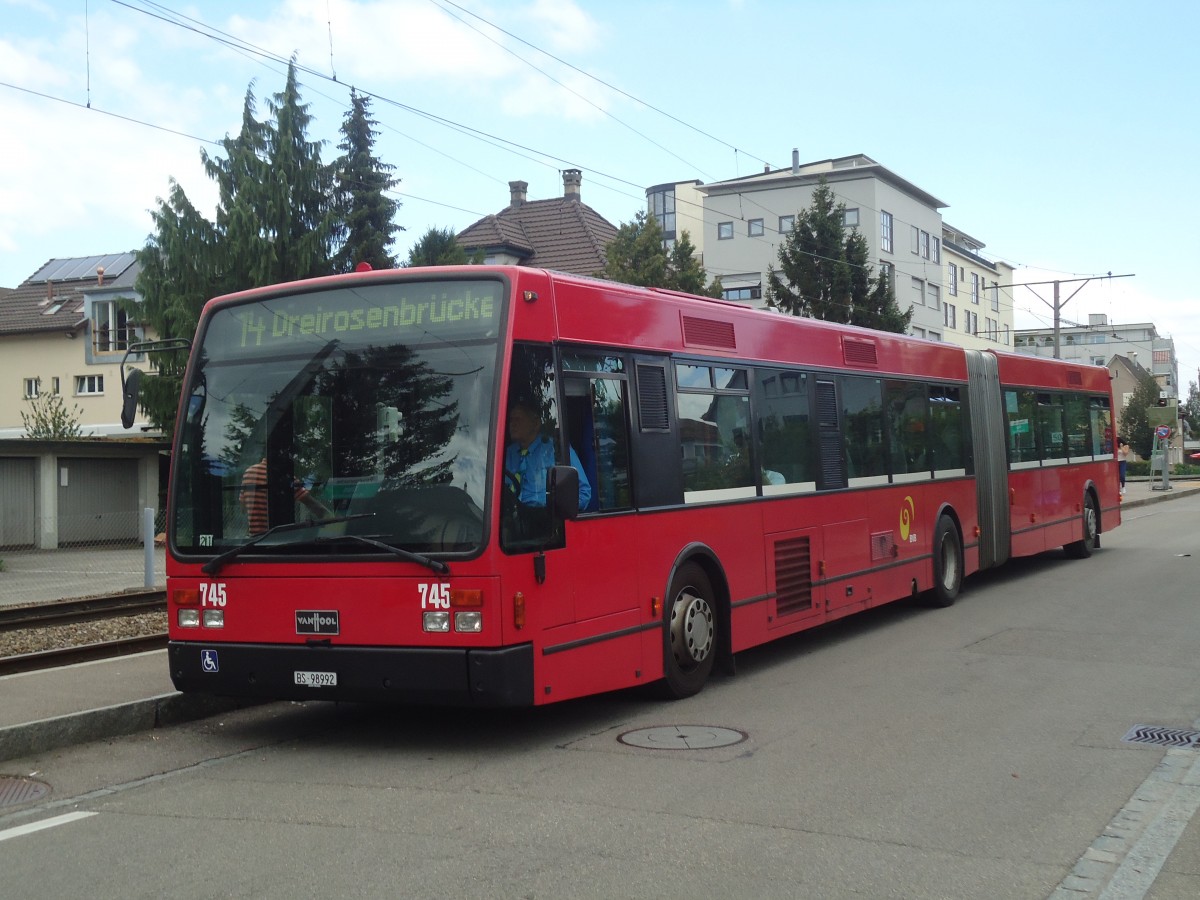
(689, 634)
(1083, 548)
(947, 563)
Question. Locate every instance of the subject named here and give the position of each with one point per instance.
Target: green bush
(1141, 469)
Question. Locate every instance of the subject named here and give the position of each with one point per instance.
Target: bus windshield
(366, 407)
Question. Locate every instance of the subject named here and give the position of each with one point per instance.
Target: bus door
(604, 540)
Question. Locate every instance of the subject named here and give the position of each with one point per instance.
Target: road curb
(121, 719)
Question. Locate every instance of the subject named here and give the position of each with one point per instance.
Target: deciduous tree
(637, 256)
(440, 247)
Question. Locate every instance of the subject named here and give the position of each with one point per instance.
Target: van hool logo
(316, 621)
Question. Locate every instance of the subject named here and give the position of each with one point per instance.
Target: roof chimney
(100, 276)
(516, 192)
(795, 161)
(572, 179)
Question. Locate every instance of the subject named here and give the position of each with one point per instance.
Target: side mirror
(562, 489)
(129, 397)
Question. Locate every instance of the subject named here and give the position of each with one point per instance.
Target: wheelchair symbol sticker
(208, 661)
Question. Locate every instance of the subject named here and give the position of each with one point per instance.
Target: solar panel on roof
(83, 267)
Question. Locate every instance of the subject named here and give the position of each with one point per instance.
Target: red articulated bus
(506, 486)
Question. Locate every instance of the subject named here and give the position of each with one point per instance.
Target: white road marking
(45, 823)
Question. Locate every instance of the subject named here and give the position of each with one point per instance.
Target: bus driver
(529, 456)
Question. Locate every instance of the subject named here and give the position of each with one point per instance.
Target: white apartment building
(737, 226)
(1097, 342)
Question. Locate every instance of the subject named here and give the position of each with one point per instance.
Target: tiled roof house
(63, 331)
(564, 234)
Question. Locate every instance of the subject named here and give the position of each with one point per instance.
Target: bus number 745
(434, 596)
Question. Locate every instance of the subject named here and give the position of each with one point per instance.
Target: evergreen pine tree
(274, 222)
(365, 213)
(825, 273)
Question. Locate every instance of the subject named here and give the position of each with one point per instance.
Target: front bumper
(440, 676)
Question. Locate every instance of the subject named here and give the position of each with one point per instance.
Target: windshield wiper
(213, 566)
(435, 564)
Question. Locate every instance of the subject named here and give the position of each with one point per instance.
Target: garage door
(97, 501)
(17, 492)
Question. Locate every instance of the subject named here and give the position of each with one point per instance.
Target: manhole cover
(1163, 737)
(682, 737)
(15, 790)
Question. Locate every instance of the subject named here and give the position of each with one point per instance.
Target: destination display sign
(371, 314)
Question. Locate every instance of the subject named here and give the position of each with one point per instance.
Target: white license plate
(316, 679)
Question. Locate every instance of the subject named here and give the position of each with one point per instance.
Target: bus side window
(597, 429)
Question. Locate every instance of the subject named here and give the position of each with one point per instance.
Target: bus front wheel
(947, 563)
(689, 634)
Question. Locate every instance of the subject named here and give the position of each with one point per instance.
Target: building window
(786, 224)
(918, 287)
(935, 336)
(32, 388)
(918, 332)
(55, 386)
(110, 327)
(1097, 360)
(934, 295)
(850, 218)
(935, 249)
(1006, 335)
(925, 245)
(724, 231)
(949, 315)
(662, 207)
(953, 285)
(971, 322)
(754, 228)
(915, 240)
(989, 327)
(885, 231)
(89, 384)
(975, 288)
(743, 293)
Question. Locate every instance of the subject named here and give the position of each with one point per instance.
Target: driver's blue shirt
(530, 467)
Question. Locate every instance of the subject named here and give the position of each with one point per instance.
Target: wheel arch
(946, 509)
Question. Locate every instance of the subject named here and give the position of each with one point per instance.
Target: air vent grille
(858, 352)
(793, 576)
(652, 398)
(708, 333)
(883, 545)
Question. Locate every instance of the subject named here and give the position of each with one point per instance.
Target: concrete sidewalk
(97, 700)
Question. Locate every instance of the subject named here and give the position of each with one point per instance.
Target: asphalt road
(972, 752)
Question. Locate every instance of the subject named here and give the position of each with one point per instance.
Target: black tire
(690, 633)
(947, 563)
(1083, 548)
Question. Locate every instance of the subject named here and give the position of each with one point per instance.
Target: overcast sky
(1061, 134)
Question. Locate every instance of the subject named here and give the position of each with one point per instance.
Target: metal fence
(97, 554)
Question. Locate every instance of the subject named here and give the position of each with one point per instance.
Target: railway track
(64, 616)
(72, 612)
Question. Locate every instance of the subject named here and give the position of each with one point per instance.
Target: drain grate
(15, 790)
(1163, 737)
